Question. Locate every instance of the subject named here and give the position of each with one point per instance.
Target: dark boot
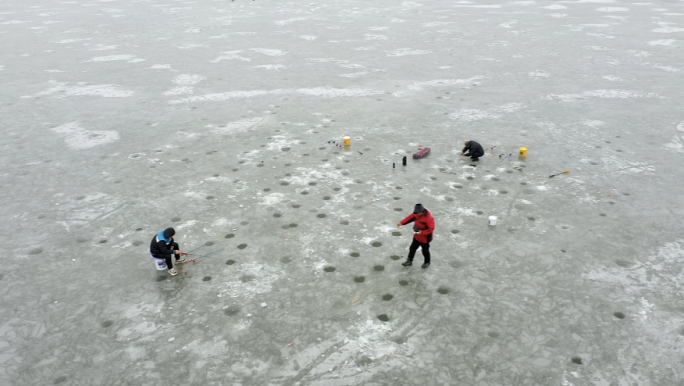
(425, 265)
(407, 263)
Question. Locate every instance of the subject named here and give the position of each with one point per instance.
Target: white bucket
(492, 220)
(160, 264)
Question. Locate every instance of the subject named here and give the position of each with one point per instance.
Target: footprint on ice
(354, 254)
(383, 317)
(377, 244)
(387, 297)
(107, 323)
(329, 269)
(395, 257)
(359, 279)
(229, 236)
(242, 246)
(619, 315)
(443, 290)
(379, 268)
(35, 251)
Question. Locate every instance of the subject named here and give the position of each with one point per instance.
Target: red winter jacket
(426, 224)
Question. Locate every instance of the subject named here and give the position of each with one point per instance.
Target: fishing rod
(208, 254)
(558, 174)
(207, 244)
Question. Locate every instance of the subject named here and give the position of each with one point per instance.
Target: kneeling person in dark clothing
(423, 228)
(473, 150)
(163, 247)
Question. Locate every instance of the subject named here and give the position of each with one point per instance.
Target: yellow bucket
(523, 151)
(347, 141)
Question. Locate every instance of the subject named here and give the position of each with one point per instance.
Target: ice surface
(216, 117)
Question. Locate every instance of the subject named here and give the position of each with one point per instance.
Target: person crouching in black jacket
(473, 150)
(163, 247)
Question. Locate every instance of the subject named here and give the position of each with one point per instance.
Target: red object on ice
(421, 153)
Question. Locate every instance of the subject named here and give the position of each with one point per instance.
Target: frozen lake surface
(123, 117)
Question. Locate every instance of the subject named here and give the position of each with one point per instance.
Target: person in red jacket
(423, 228)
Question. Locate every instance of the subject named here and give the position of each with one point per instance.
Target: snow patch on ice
(79, 138)
(276, 67)
(231, 55)
(407, 52)
(269, 51)
(288, 21)
(538, 74)
(593, 123)
(662, 42)
(666, 68)
(84, 89)
(667, 29)
(67, 41)
(272, 199)
(606, 94)
(161, 67)
(470, 115)
(555, 6)
(110, 58)
(188, 79)
(612, 9)
(322, 92)
(249, 280)
(237, 126)
(419, 86)
(612, 78)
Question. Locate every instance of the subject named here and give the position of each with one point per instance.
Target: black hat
(169, 232)
(419, 209)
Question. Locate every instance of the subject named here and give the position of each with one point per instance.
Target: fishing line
(208, 254)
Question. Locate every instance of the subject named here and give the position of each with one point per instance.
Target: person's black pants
(425, 248)
(476, 156)
(169, 258)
